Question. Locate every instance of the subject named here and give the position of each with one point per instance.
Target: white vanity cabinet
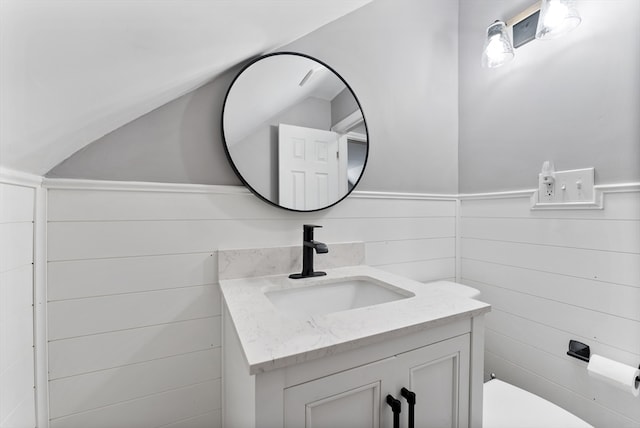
(438, 374)
(336, 369)
(350, 389)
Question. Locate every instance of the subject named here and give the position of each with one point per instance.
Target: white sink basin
(325, 297)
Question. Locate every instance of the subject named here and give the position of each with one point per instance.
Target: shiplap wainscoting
(17, 394)
(552, 276)
(134, 305)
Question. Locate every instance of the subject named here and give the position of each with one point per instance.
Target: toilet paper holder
(579, 350)
(582, 352)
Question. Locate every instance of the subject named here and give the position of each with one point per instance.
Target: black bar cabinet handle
(396, 405)
(411, 399)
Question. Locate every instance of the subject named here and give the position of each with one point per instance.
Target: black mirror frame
(226, 148)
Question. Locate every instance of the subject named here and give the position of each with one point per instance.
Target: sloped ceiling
(72, 71)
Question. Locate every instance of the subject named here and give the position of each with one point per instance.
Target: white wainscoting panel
(131, 310)
(76, 240)
(17, 382)
(153, 410)
(87, 353)
(210, 420)
(131, 275)
(552, 276)
(106, 387)
(134, 305)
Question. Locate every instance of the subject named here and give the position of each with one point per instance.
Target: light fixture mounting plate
(524, 31)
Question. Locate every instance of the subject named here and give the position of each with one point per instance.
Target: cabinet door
(350, 399)
(439, 376)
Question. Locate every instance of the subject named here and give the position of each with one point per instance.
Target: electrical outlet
(566, 187)
(546, 188)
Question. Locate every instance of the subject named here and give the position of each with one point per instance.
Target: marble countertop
(272, 340)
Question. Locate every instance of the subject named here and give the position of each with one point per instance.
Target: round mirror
(294, 132)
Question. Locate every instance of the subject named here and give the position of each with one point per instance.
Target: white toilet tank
(455, 288)
(507, 406)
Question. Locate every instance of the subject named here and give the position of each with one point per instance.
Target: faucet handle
(307, 231)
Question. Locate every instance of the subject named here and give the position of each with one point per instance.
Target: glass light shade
(498, 49)
(557, 17)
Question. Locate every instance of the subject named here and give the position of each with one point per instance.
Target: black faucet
(308, 245)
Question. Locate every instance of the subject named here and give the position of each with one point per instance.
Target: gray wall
(179, 142)
(573, 100)
(400, 58)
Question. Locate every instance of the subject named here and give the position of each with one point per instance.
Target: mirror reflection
(294, 132)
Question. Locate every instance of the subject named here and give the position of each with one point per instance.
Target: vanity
(348, 349)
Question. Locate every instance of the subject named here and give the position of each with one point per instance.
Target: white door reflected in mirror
(312, 167)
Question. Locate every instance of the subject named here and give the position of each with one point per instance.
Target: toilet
(506, 405)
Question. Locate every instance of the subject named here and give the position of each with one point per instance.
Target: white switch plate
(571, 189)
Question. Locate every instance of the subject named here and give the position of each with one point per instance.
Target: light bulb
(498, 49)
(555, 14)
(495, 49)
(557, 17)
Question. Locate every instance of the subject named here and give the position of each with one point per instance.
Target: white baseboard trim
(18, 178)
(618, 188)
(596, 204)
(600, 191)
(497, 195)
(140, 186)
(363, 194)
